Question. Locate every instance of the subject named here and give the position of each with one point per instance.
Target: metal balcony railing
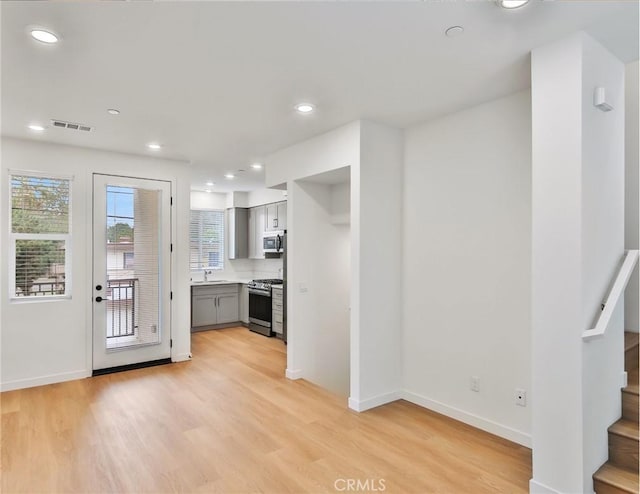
(121, 296)
(41, 288)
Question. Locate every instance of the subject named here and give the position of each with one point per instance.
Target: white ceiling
(216, 83)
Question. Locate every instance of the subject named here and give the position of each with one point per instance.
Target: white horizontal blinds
(133, 266)
(206, 239)
(40, 235)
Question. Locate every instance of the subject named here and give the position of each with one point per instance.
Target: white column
(376, 274)
(577, 222)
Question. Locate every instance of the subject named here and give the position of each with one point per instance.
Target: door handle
(98, 287)
(98, 299)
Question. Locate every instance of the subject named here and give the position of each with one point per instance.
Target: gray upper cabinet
(264, 219)
(237, 233)
(282, 215)
(276, 216)
(271, 222)
(256, 230)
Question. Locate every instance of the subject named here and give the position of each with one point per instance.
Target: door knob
(98, 287)
(98, 299)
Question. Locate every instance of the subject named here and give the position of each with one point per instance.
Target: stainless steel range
(260, 305)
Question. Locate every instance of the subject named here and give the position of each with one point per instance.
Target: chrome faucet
(207, 273)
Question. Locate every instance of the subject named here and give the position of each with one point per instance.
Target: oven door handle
(263, 293)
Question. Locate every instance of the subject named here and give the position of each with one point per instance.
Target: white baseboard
(538, 488)
(376, 401)
(42, 380)
(181, 357)
(469, 418)
(293, 374)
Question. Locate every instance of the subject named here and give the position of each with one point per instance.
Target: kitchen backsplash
(267, 268)
(244, 269)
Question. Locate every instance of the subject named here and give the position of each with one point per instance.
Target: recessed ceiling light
(512, 4)
(304, 107)
(256, 166)
(208, 191)
(454, 31)
(36, 127)
(154, 145)
(209, 184)
(229, 175)
(44, 36)
(113, 111)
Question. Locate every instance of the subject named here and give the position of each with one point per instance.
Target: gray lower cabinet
(276, 310)
(211, 305)
(228, 308)
(244, 303)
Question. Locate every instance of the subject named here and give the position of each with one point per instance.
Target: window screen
(40, 236)
(206, 239)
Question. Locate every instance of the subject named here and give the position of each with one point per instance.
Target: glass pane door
(131, 266)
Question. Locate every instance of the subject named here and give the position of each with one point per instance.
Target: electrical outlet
(474, 384)
(521, 397)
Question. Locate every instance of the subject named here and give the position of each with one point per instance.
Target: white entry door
(131, 271)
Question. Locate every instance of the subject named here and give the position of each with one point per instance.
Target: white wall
(259, 197)
(577, 210)
(603, 204)
(319, 315)
(208, 200)
(632, 179)
(330, 151)
(324, 153)
(466, 277)
(376, 286)
(341, 203)
(49, 342)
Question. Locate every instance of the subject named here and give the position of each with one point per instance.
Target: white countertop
(277, 287)
(241, 281)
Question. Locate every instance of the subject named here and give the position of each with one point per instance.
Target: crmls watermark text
(355, 485)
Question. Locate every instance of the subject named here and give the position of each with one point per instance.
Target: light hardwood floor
(229, 422)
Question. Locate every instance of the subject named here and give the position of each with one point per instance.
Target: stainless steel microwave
(272, 242)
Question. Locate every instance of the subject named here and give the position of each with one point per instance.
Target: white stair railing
(615, 294)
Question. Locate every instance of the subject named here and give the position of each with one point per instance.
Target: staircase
(619, 475)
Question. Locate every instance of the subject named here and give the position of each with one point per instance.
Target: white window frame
(224, 239)
(66, 237)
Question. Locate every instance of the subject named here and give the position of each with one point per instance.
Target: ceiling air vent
(70, 125)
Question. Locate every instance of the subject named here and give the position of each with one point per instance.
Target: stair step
(630, 404)
(623, 444)
(625, 428)
(610, 479)
(631, 339)
(632, 381)
(631, 346)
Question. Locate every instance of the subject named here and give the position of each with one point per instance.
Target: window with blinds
(40, 236)
(206, 239)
